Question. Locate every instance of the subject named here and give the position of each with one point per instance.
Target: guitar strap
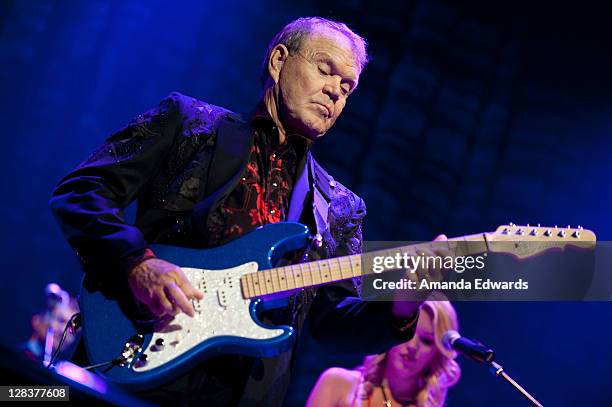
(321, 182)
(300, 193)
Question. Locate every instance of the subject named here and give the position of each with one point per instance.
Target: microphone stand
(497, 370)
(480, 353)
(49, 337)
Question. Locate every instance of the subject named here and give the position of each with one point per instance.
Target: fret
(327, 264)
(268, 282)
(307, 283)
(355, 267)
(290, 278)
(316, 278)
(324, 267)
(306, 270)
(244, 286)
(299, 277)
(259, 283)
(389, 252)
(349, 265)
(475, 243)
(249, 278)
(275, 280)
(336, 266)
(282, 278)
(323, 273)
(342, 269)
(314, 271)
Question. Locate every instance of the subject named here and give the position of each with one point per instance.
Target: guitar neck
(297, 276)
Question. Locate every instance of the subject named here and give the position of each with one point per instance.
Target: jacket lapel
(233, 146)
(299, 195)
(312, 182)
(234, 141)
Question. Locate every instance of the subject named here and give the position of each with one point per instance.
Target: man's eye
(346, 90)
(323, 70)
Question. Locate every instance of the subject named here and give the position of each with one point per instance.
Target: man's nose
(333, 90)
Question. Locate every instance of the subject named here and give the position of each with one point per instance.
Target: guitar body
(225, 322)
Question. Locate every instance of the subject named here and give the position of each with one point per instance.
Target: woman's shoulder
(341, 376)
(345, 381)
(342, 384)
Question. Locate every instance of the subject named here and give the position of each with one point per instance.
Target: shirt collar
(260, 119)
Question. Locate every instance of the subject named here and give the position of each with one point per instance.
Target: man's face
(315, 82)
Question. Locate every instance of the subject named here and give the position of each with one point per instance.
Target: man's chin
(315, 132)
(313, 135)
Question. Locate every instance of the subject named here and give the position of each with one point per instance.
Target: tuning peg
(511, 224)
(580, 227)
(561, 233)
(538, 225)
(547, 233)
(520, 232)
(505, 231)
(534, 232)
(576, 234)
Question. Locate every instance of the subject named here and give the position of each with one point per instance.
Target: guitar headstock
(527, 241)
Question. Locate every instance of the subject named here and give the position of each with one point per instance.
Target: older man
(204, 175)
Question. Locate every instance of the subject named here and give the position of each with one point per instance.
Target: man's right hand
(163, 288)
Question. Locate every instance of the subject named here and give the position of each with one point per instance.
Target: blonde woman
(415, 373)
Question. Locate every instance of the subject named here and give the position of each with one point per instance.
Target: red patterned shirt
(263, 193)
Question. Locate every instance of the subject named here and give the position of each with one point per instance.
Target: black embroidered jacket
(179, 161)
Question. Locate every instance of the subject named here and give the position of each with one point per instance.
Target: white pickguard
(222, 312)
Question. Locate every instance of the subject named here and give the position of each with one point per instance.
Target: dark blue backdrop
(467, 117)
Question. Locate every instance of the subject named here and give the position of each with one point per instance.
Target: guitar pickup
(198, 306)
(202, 286)
(222, 298)
(229, 281)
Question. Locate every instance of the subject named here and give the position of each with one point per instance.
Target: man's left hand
(404, 308)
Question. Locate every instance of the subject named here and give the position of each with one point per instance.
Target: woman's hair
(443, 371)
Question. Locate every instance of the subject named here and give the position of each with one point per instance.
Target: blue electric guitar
(129, 347)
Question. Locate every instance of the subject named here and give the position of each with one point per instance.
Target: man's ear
(278, 56)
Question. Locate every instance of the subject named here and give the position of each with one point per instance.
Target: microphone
(474, 350)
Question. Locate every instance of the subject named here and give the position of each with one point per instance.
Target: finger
(439, 245)
(185, 285)
(155, 307)
(178, 297)
(429, 260)
(436, 272)
(422, 271)
(162, 304)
